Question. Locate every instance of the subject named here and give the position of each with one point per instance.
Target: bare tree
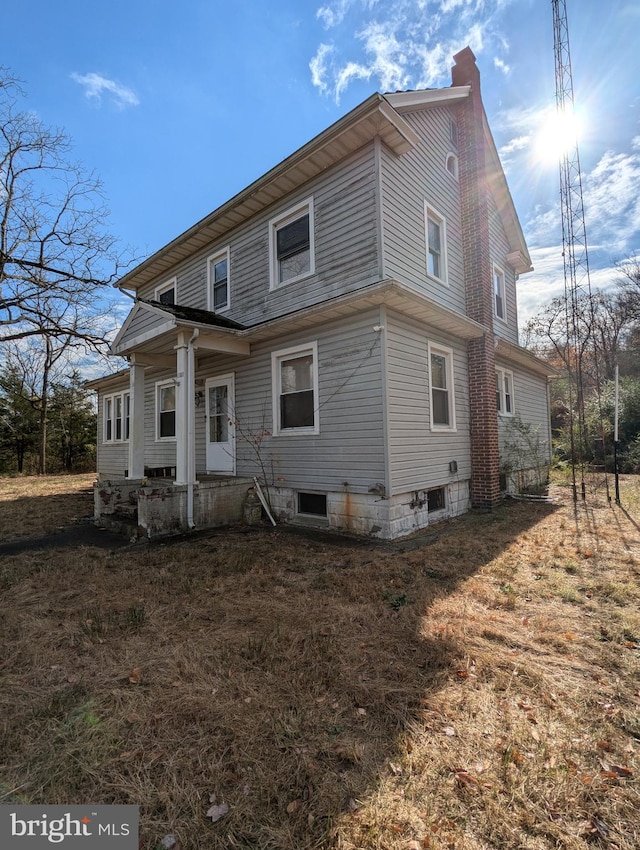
(55, 251)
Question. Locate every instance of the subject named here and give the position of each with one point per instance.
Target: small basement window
(435, 500)
(313, 504)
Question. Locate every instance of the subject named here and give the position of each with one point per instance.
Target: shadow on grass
(278, 674)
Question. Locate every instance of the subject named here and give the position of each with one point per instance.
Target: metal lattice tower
(577, 285)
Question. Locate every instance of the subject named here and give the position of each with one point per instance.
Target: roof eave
(374, 117)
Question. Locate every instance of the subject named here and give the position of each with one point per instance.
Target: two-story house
(344, 330)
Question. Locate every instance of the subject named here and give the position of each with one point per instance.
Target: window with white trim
(498, 294)
(116, 409)
(452, 165)
(291, 245)
(166, 410)
(453, 132)
(436, 244)
(295, 390)
(443, 416)
(504, 392)
(166, 292)
(218, 288)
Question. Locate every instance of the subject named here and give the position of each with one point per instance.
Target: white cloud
(95, 86)
(404, 44)
(318, 67)
(501, 65)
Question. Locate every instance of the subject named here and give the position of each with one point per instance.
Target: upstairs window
(166, 293)
(453, 132)
(436, 245)
(166, 410)
(504, 392)
(116, 417)
(218, 266)
(295, 390)
(441, 382)
(292, 245)
(498, 294)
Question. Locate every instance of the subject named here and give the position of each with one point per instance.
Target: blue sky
(179, 106)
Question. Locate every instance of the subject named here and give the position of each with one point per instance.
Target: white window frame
(453, 158)
(447, 353)
(453, 131)
(499, 291)
(502, 376)
(277, 358)
(212, 261)
(160, 385)
(303, 208)
(431, 214)
(109, 404)
(166, 287)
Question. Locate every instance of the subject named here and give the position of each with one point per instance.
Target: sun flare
(557, 135)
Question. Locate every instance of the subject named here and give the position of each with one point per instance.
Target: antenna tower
(577, 284)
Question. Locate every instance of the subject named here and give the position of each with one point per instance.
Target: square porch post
(136, 420)
(182, 413)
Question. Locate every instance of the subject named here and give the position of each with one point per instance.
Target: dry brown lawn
(473, 687)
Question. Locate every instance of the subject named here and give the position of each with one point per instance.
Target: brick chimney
(478, 275)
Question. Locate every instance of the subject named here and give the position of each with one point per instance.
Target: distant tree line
(46, 426)
(608, 335)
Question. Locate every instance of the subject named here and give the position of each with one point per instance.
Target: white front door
(221, 436)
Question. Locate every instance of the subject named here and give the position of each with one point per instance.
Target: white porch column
(182, 411)
(136, 420)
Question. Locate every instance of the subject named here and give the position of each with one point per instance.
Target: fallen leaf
(449, 731)
(466, 780)
(135, 675)
(569, 635)
(395, 768)
(217, 812)
(604, 745)
(293, 806)
(625, 772)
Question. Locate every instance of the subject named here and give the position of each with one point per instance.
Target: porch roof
(151, 331)
(523, 357)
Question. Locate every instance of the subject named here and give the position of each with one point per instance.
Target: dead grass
(474, 688)
(40, 504)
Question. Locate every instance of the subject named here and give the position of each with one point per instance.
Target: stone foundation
(371, 515)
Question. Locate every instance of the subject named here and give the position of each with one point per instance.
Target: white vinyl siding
(346, 250)
(530, 409)
(407, 181)
(419, 457)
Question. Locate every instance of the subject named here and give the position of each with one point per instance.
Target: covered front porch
(163, 489)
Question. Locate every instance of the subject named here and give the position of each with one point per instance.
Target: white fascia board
(409, 101)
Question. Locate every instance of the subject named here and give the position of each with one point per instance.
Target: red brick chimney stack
(485, 451)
